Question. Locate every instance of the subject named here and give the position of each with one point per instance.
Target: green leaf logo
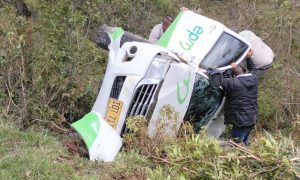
(186, 84)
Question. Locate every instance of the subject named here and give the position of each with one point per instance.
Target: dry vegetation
(195, 156)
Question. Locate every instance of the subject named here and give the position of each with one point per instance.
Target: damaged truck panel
(141, 78)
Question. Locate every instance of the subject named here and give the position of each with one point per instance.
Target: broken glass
(205, 100)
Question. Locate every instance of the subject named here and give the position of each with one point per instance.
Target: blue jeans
(241, 134)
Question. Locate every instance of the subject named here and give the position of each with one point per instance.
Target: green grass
(38, 154)
(35, 154)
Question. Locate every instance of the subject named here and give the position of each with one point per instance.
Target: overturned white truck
(141, 78)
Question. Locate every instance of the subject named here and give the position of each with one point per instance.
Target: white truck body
(142, 78)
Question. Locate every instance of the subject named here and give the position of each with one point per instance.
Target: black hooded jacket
(241, 107)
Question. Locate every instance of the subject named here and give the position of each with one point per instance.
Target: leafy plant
(195, 156)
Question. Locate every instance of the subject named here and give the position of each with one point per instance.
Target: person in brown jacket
(159, 29)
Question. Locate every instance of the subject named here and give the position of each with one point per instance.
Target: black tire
(102, 38)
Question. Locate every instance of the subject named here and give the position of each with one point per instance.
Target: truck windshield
(205, 101)
(227, 49)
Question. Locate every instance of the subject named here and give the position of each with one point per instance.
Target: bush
(195, 156)
(48, 65)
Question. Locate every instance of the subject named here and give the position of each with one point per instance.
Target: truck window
(227, 49)
(204, 102)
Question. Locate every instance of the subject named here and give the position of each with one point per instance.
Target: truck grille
(117, 87)
(141, 100)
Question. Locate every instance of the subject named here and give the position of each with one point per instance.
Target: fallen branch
(294, 159)
(239, 157)
(192, 171)
(162, 160)
(64, 130)
(263, 171)
(245, 150)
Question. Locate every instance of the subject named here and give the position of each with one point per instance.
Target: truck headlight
(157, 69)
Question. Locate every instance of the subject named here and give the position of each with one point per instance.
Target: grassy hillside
(38, 154)
(50, 66)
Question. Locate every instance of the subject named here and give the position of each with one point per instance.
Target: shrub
(195, 156)
(47, 63)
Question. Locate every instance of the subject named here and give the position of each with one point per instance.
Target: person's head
(237, 69)
(166, 22)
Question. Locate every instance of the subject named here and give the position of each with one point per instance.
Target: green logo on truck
(186, 84)
(193, 36)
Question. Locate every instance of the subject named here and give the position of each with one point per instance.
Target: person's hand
(249, 54)
(184, 9)
(233, 65)
(210, 71)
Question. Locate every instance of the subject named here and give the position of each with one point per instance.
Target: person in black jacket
(241, 107)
